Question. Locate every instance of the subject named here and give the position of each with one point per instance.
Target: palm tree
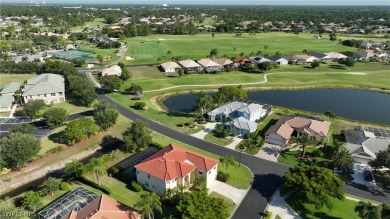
(75, 168)
(367, 210)
(303, 141)
(227, 160)
(214, 52)
(96, 166)
(204, 101)
(342, 158)
(148, 203)
(200, 183)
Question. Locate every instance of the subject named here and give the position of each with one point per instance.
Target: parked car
(368, 175)
(352, 169)
(337, 170)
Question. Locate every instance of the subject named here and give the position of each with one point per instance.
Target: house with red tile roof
(173, 166)
(287, 126)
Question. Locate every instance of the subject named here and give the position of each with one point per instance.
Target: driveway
(208, 127)
(237, 195)
(279, 207)
(269, 152)
(358, 176)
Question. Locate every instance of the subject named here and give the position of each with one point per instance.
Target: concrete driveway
(208, 127)
(269, 152)
(358, 176)
(237, 195)
(279, 207)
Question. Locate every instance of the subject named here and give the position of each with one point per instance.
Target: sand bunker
(128, 58)
(356, 73)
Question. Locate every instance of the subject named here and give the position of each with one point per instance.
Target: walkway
(235, 142)
(279, 207)
(269, 152)
(11, 115)
(237, 195)
(208, 127)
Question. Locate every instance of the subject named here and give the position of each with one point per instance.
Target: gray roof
(250, 108)
(243, 123)
(227, 108)
(6, 101)
(10, 88)
(276, 58)
(354, 136)
(44, 84)
(317, 55)
(373, 145)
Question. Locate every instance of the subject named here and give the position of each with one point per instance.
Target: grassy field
(72, 109)
(97, 22)
(7, 78)
(148, 49)
(219, 141)
(104, 52)
(341, 209)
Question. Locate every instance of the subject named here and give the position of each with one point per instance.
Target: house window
(209, 172)
(44, 95)
(215, 168)
(61, 93)
(148, 176)
(30, 97)
(137, 171)
(146, 184)
(53, 94)
(200, 172)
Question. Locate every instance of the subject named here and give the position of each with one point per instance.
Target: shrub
(140, 105)
(187, 123)
(64, 186)
(180, 125)
(156, 145)
(223, 177)
(135, 98)
(318, 153)
(267, 214)
(246, 136)
(55, 149)
(136, 187)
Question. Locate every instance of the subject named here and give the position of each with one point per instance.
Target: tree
(349, 62)
(367, 210)
(23, 128)
(125, 74)
(342, 159)
(111, 82)
(100, 59)
(330, 114)
(213, 35)
(382, 158)
(32, 107)
(55, 116)
(32, 201)
(386, 211)
(265, 66)
(96, 167)
(140, 106)
(265, 47)
(315, 64)
(74, 169)
(50, 185)
(204, 102)
(214, 52)
(227, 160)
(105, 115)
(136, 136)
(18, 148)
(229, 93)
(149, 203)
(332, 37)
(314, 185)
(135, 88)
(198, 204)
(303, 141)
(200, 183)
(80, 129)
(252, 33)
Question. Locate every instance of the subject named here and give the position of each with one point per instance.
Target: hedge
(64, 186)
(136, 187)
(223, 177)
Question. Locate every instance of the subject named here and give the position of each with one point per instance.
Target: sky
(215, 2)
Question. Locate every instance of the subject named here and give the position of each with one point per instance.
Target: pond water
(360, 105)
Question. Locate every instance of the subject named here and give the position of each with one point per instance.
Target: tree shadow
(184, 115)
(336, 66)
(266, 127)
(266, 184)
(58, 138)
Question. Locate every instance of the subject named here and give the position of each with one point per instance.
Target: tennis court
(74, 54)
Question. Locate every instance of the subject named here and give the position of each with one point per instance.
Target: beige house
(47, 87)
(113, 70)
(308, 58)
(170, 67)
(287, 126)
(190, 65)
(209, 65)
(335, 56)
(173, 166)
(225, 62)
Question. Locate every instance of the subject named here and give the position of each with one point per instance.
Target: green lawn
(341, 209)
(229, 202)
(291, 157)
(104, 52)
(7, 78)
(219, 141)
(148, 49)
(71, 108)
(97, 22)
(54, 139)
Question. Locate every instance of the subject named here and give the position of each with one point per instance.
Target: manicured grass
(71, 108)
(97, 22)
(54, 139)
(341, 209)
(7, 78)
(219, 141)
(156, 46)
(5, 114)
(231, 205)
(104, 52)
(254, 150)
(291, 157)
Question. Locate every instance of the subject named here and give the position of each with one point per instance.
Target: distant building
(279, 60)
(47, 87)
(190, 65)
(112, 70)
(6, 103)
(225, 62)
(170, 67)
(10, 88)
(173, 166)
(209, 65)
(335, 56)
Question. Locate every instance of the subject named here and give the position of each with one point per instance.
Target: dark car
(368, 175)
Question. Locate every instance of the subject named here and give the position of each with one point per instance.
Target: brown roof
(285, 131)
(299, 123)
(223, 61)
(173, 161)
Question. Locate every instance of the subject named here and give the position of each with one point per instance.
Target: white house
(209, 65)
(279, 60)
(364, 145)
(307, 58)
(173, 166)
(47, 87)
(240, 116)
(190, 65)
(335, 56)
(170, 67)
(113, 70)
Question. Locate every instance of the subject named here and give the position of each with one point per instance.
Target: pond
(352, 104)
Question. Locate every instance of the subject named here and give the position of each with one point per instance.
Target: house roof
(304, 56)
(112, 70)
(241, 59)
(276, 58)
(365, 53)
(167, 65)
(44, 84)
(250, 108)
(173, 161)
(293, 58)
(259, 59)
(208, 63)
(336, 55)
(189, 63)
(227, 108)
(6, 101)
(10, 88)
(321, 127)
(372, 146)
(223, 61)
(353, 55)
(243, 123)
(285, 131)
(318, 55)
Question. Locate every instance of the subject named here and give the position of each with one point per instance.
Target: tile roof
(167, 65)
(189, 63)
(335, 55)
(44, 84)
(208, 63)
(173, 161)
(285, 131)
(10, 88)
(223, 61)
(318, 55)
(6, 101)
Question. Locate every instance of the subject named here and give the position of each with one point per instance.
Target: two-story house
(47, 87)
